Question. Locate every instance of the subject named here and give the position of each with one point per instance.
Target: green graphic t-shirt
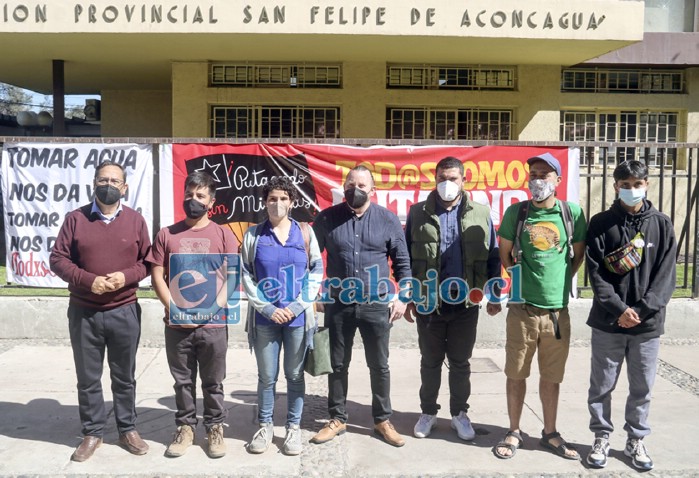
(546, 268)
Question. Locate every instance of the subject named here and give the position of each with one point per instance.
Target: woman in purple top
(276, 270)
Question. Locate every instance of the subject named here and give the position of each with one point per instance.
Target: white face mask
(541, 189)
(448, 190)
(278, 209)
(632, 197)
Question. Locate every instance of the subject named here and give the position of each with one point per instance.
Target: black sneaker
(597, 458)
(636, 450)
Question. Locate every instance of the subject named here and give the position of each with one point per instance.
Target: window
(276, 75)
(450, 77)
(622, 81)
(622, 127)
(275, 122)
(458, 124)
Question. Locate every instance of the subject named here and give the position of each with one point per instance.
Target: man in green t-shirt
(540, 323)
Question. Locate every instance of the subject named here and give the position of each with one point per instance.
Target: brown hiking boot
(184, 436)
(331, 429)
(217, 447)
(85, 450)
(386, 431)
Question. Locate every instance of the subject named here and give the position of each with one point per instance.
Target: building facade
(543, 70)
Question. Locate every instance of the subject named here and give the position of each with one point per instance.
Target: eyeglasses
(113, 181)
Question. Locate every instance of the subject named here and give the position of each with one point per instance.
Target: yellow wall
(190, 112)
(536, 102)
(363, 100)
(136, 113)
(538, 115)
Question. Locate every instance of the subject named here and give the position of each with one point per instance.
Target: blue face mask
(631, 197)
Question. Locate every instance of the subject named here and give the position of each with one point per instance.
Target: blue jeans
(268, 344)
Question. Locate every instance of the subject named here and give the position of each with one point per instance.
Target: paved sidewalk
(40, 426)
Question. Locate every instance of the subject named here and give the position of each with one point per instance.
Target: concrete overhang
(108, 45)
(679, 50)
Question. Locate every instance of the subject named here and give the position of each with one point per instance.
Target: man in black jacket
(630, 258)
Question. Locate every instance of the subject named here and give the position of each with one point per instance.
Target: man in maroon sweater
(100, 252)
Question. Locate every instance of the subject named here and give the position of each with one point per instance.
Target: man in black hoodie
(630, 258)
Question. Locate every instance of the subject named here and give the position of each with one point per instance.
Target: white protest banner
(42, 182)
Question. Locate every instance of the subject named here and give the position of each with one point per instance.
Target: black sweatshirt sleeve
(663, 274)
(604, 291)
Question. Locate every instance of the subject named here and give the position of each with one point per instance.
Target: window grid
(264, 121)
(622, 81)
(456, 124)
(620, 127)
(450, 77)
(275, 75)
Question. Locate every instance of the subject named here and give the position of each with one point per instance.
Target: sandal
(510, 446)
(559, 450)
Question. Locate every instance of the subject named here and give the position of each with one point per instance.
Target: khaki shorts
(530, 328)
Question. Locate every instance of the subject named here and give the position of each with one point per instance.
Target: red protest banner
(404, 175)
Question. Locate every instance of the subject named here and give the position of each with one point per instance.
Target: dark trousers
(452, 334)
(203, 349)
(91, 332)
(372, 321)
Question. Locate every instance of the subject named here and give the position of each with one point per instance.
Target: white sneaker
(597, 458)
(636, 450)
(262, 438)
(292, 443)
(463, 427)
(424, 425)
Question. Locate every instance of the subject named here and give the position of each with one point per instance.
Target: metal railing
(674, 188)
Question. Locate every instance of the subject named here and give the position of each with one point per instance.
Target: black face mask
(194, 209)
(356, 198)
(107, 194)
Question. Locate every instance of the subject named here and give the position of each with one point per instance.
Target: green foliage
(13, 99)
(19, 291)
